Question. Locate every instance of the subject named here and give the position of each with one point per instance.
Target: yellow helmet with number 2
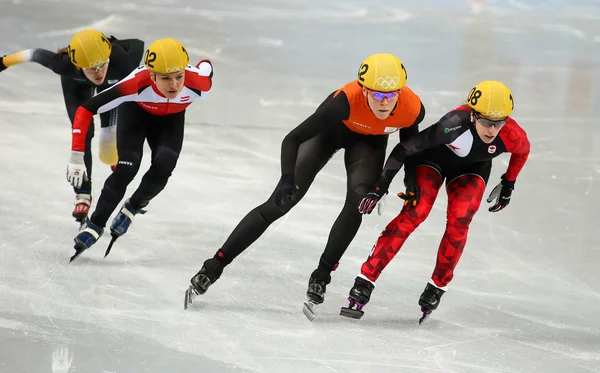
(165, 56)
(492, 99)
(89, 49)
(382, 72)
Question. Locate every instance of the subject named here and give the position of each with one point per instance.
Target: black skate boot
(430, 300)
(360, 294)
(121, 223)
(317, 285)
(199, 284)
(88, 236)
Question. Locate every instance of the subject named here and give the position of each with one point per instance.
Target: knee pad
(164, 161)
(108, 146)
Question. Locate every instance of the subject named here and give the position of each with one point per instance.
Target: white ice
(525, 297)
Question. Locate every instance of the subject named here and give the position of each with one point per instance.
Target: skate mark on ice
(452, 343)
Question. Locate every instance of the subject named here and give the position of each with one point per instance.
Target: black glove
(285, 192)
(501, 193)
(413, 192)
(368, 203)
(2, 67)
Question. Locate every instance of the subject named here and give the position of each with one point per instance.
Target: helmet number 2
(474, 96)
(149, 58)
(362, 71)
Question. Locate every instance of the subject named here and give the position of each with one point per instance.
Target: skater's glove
(413, 192)
(285, 193)
(2, 67)
(501, 194)
(368, 203)
(76, 171)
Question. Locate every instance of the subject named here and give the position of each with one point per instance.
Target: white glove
(76, 171)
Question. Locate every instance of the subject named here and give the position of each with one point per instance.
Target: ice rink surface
(525, 296)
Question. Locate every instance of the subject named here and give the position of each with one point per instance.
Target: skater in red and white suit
(459, 149)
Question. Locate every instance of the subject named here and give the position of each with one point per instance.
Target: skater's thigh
(364, 158)
(166, 133)
(131, 131)
(313, 155)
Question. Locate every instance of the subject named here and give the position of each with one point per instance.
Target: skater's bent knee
(165, 160)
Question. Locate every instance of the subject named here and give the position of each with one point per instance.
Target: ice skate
(315, 293)
(429, 300)
(83, 201)
(199, 284)
(121, 223)
(360, 294)
(87, 237)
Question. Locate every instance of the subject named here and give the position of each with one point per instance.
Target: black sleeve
(75, 95)
(331, 112)
(446, 130)
(410, 168)
(126, 55)
(58, 63)
(409, 132)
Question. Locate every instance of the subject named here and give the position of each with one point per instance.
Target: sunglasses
(379, 96)
(487, 123)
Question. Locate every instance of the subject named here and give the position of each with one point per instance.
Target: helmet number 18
(474, 95)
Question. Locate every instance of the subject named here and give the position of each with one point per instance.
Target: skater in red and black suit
(459, 149)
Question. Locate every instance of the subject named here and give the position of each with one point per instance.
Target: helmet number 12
(362, 71)
(149, 58)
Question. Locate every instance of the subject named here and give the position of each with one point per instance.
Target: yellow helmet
(382, 72)
(165, 56)
(491, 99)
(89, 49)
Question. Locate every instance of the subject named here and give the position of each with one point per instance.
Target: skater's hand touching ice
(501, 194)
(76, 171)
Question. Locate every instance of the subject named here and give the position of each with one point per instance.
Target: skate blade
(79, 249)
(190, 294)
(351, 313)
(308, 310)
(110, 245)
(76, 255)
(424, 317)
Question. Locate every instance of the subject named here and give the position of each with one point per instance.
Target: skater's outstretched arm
(59, 63)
